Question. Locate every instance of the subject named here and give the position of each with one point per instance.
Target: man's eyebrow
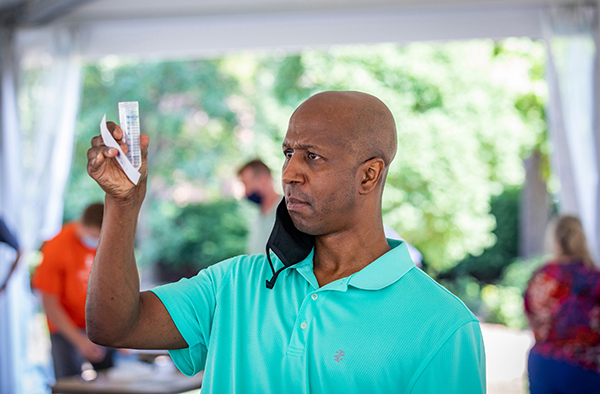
(309, 147)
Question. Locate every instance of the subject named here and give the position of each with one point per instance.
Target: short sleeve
(49, 277)
(458, 367)
(191, 304)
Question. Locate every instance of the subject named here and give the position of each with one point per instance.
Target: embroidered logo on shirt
(339, 355)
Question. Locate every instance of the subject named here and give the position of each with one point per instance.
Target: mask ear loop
(271, 282)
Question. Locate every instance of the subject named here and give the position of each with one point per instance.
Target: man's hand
(89, 350)
(104, 168)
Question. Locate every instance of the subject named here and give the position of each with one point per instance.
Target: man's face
(250, 181)
(89, 231)
(89, 235)
(319, 173)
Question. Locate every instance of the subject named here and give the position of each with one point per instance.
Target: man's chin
(304, 224)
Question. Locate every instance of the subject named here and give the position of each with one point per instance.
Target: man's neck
(341, 255)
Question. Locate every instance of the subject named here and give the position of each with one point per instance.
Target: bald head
(369, 126)
(338, 148)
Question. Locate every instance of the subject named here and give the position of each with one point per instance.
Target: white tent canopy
(148, 29)
(62, 32)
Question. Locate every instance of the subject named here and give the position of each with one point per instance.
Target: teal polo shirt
(388, 328)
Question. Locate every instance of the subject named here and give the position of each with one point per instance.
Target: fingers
(144, 142)
(115, 130)
(97, 141)
(118, 135)
(97, 155)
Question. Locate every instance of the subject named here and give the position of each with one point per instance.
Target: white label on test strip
(132, 173)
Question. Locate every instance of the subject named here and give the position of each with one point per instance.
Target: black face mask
(255, 198)
(287, 242)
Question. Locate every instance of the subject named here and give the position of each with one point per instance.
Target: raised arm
(117, 314)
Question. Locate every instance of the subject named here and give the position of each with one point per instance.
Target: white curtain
(12, 315)
(50, 138)
(34, 168)
(570, 34)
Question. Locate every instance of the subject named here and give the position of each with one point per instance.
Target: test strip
(129, 119)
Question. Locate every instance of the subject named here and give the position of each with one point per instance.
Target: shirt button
(314, 296)
(303, 325)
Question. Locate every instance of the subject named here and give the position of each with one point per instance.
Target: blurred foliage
(466, 113)
(502, 302)
(197, 235)
(488, 266)
(183, 107)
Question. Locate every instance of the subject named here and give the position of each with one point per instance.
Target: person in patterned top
(562, 304)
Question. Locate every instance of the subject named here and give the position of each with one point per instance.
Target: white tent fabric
(202, 36)
(50, 141)
(570, 34)
(10, 320)
(35, 166)
(16, 306)
(35, 163)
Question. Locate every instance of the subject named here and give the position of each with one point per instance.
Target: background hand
(106, 171)
(90, 350)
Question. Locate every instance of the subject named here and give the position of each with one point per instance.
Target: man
(256, 177)
(62, 278)
(350, 313)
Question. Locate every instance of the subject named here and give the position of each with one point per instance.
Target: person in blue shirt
(9, 239)
(333, 307)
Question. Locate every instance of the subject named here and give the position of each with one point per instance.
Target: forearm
(57, 315)
(112, 305)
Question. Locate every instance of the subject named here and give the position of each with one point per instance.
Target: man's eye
(313, 156)
(288, 154)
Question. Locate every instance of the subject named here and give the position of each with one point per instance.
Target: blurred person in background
(258, 185)
(62, 280)
(562, 304)
(8, 238)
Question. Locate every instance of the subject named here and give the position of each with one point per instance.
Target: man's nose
(292, 171)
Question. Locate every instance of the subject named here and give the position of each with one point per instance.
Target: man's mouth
(294, 203)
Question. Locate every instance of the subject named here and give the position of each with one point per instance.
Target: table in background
(173, 384)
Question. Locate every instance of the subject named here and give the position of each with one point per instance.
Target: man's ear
(370, 173)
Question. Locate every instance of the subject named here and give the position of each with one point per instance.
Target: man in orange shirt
(62, 280)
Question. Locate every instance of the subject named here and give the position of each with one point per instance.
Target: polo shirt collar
(386, 270)
(381, 273)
